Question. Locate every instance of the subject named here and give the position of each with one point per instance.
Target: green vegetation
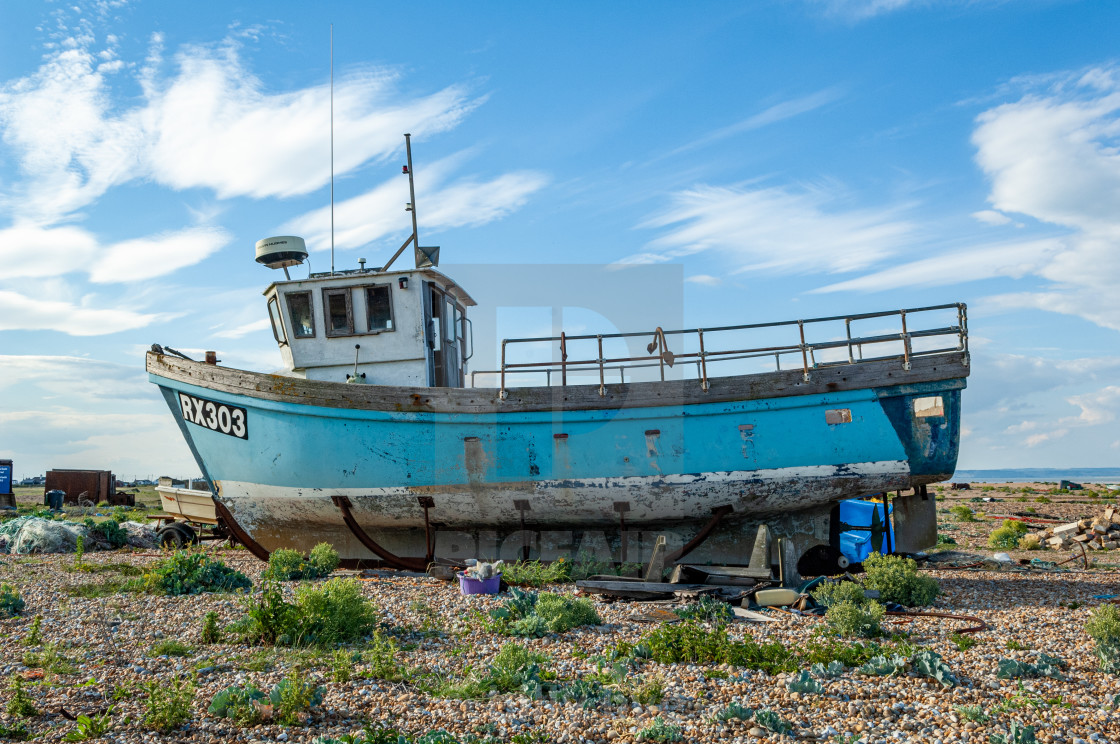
(382, 656)
(290, 701)
(1016, 734)
(168, 706)
(1104, 628)
(706, 608)
(898, 580)
(323, 614)
(804, 683)
(290, 565)
(832, 593)
(1014, 645)
(852, 619)
(962, 513)
(170, 648)
(973, 713)
(193, 573)
(106, 588)
(15, 732)
(211, 633)
(11, 604)
(532, 615)
(735, 711)
(660, 731)
(34, 635)
(929, 664)
(20, 704)
(963, 642)
(342, 665)
(108, 531)
(49, 660)
(1046, 666)
(1007, 537)
(90, 727)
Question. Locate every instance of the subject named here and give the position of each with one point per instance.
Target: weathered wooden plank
(787, 383)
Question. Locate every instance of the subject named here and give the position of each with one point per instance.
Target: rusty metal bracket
(718, 513)
(240, 534)
(427, 502)
(408, 564)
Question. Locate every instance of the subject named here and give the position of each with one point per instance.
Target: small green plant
(735, 711)
(381, 654)
(34, 635)
(648, 692)
(342, 666)
(962, 513)
(963, 642)
(804, 683)
(1016, 734)
(294, 697)
(943, 539)
(11, 604)
(290, 565)
(535, 573)
(170, 648)
(15, 732)
(20, 704)
(532, 615)
(1007, 536)
(1046, 666)
(974, 713)
(706, 608)
(168, 705)
(90, 727)
(324, 558)
(1014, 645)
(884, 666)
(833, 593)
(860, 620)
(107, 531)
(768, 719)
(929, 664)
(240, 704)
(324, 614)
(1104, 628)
(49, 660)
(660, 731)
(897, 580)
(193, 573)
(1043, 500)
(79, 550)
(211, 633)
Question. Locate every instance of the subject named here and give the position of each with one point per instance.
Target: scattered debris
(1097, 533)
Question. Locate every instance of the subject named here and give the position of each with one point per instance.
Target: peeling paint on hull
(563, 471)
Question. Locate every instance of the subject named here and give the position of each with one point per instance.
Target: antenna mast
(333, 150)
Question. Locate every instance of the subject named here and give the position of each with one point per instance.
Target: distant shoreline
(1038, 475)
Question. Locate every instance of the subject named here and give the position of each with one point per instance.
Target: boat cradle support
(243, 537)
(408, 564)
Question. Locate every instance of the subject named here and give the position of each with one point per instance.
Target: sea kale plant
(290, 565)
(193, 573)
(1104, 628)
(532, 615)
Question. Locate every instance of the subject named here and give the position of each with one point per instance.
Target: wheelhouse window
(277, 320)
(339, 312)
(379, 308)
(300, 313)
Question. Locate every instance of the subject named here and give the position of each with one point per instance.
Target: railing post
(502, 392)
(905, 342)
(602, 382)
(848, 326)
(703, 362)
(804, 352)
(563, 360)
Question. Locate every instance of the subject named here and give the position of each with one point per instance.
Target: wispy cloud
(380, 212)
(774, 230)
(20, 313)
(858, 10)
(772, 115)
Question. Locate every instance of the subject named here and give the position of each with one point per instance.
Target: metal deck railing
(805, 350)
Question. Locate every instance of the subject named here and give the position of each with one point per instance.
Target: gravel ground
(109, 640)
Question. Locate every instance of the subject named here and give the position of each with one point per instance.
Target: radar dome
(281, 252)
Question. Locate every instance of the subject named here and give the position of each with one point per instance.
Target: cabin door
(445, 319)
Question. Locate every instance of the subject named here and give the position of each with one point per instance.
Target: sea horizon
(1022, 475)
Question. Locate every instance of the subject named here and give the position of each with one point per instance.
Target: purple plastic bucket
(467, 585)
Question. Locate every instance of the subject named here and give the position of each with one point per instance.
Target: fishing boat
(371, 438)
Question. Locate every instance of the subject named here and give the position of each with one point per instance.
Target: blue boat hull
(560, 479)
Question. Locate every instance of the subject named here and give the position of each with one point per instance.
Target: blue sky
(783, 159)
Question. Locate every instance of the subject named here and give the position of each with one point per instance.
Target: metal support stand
(408, 564)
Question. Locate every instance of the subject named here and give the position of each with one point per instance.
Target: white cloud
(991, 217)
(380, 211)
(70, 377)
(245, 330)
(862, 9)
(1098, 407)
(1036, 439)
(20, 313)
(33, 251)
(982, 262)
(145, 258)
(774, 230)
(210, 124)
(705, 279)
